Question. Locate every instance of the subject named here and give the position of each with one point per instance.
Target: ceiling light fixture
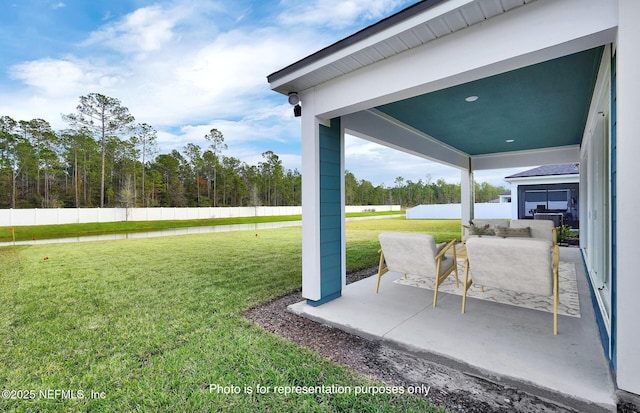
(510, 140)
(471, 98)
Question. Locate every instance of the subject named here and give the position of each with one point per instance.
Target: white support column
(343, 212)
(628, 150)
(467, 196)
(514, 201)
(310, 152)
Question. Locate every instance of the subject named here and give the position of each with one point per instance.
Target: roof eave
(532, 177)
(275, 78)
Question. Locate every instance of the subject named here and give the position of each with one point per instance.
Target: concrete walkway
(507, 344)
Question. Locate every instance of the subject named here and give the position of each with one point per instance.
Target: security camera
(294, 99)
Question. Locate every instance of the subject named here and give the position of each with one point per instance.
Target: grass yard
(156, 324)
(362, 236)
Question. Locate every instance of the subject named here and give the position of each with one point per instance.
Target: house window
(561, 199)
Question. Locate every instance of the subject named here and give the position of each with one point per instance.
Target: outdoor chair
(416, 254)
(524, 265)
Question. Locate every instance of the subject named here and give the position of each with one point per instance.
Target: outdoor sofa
(510, 228)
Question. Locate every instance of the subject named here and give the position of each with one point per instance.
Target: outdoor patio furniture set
(515, 255)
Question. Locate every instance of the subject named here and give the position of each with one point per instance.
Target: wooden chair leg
(440, 278)
(382, 269)
(455, 265)
(556, 288)
(466, 285)
(435, 292)
(555, 318)
(556, 301)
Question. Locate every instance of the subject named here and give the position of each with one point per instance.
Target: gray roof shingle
(548, 170)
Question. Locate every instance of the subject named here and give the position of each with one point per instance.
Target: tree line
(104, 158)
(410, 193)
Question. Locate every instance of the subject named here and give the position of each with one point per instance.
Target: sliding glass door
(594, 170)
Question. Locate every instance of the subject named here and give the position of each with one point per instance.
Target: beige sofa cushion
(540, 228)
(524, 232)
(493, 223)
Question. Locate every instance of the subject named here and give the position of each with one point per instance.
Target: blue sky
(186, 66)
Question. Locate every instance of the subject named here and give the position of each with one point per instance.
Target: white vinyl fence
(47, 216)
(454, 211)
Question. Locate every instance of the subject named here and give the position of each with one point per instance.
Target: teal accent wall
(330, 148)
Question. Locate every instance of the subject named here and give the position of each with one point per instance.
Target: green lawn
(155, 324)
(362, 236)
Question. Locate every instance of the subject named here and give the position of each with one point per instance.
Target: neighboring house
(504, 198)
(487, 84)
(548, 191)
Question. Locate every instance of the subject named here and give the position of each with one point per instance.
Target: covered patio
(477, 85)
(506, 344)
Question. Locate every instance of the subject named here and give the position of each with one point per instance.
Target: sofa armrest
(445, 249)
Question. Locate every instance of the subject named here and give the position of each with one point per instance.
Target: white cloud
(146, 29)
(334, 13)
(263, 128)
(50, 76)
(496, 176)
(240, 60)
(25, 106)
(58, 5)
(380, 164)
(291, 161)
(177, 72)
(223, 78)
(247, 147)
(58, 78)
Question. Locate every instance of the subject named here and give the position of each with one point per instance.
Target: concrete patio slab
(500, 342)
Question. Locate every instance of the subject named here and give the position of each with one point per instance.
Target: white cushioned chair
(517, 264)
(416, 254)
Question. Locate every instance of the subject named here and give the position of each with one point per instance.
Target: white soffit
(573, 178)
(438, 21)
(515, 159)
(375, 126)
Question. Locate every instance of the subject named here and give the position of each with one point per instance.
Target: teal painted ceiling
(539, 106)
